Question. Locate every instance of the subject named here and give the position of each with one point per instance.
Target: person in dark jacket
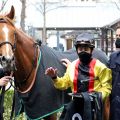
(114, 64)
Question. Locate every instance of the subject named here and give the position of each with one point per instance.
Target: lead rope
(13, 103)
(2, 103)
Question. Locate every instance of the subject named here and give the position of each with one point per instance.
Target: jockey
(85, 74)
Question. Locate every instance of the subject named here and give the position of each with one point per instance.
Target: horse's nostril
(7, 59)
(13, 58)
(3, 58)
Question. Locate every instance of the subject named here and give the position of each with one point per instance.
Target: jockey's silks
(84, 77)
(96, 76)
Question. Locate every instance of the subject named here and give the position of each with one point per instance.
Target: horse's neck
(25, 50)
(26, 55)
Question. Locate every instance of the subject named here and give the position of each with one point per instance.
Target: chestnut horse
(21, 56)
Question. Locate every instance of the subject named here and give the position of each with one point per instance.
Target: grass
(8, 99)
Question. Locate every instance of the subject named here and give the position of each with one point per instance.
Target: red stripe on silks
(76, 76)
(92, 76)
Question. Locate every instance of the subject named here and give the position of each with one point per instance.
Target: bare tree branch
(23, 14)
(3, 5)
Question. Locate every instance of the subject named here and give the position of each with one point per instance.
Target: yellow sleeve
(105, 79)
(64, 82)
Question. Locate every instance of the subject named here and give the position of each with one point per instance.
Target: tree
(43, 7)
(23, 14)
(3, 5)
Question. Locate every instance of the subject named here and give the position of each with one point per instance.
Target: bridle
(12, 45)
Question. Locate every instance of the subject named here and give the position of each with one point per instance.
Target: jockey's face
(84, 52)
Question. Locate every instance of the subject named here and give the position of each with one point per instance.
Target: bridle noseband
(12, 45)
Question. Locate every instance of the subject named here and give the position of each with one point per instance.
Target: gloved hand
(51, 72)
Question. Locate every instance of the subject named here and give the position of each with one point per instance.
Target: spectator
(114, 64)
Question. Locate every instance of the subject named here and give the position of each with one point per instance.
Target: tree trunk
(23, 15)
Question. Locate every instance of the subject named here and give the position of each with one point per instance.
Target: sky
(31, 14)
(17, 6)
(68, 17)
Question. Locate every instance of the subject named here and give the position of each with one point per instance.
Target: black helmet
(85, 39)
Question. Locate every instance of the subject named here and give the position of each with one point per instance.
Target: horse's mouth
(8, 68)
(7, 71)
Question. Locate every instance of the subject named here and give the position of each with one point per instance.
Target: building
(70, 18)
(64, 23)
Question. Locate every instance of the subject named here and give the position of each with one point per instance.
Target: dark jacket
(1, 72)
(114, 64)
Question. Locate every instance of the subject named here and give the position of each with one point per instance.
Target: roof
(98, 15)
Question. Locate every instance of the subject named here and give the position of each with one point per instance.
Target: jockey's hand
(65, 62)
(4, 80)
(51, 72)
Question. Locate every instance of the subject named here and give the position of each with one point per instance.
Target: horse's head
(7, 40)
(18, 52)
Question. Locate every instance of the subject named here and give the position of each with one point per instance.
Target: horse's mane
(24, 35)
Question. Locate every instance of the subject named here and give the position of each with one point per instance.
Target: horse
(27, 62)
(21, 56)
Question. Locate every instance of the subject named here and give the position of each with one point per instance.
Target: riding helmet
(85, 39)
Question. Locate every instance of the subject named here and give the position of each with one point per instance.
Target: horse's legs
(51, 117)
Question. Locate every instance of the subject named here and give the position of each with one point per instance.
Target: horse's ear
(11, 14)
